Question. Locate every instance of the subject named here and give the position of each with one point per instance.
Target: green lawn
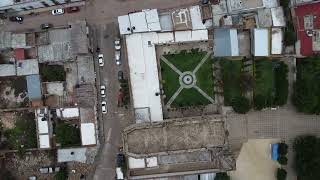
(186, 61)
(205, 78)
(67, 135)
(189, 97)
(231, 71)
(307, 87)
(264, 77)
(170, 81)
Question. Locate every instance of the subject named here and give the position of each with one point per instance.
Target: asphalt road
(101, 17)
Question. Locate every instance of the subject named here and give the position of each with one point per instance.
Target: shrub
(283, 149)
(283, 160)
(281, 174)
(281, 84)
(222, 176)
(67, 135)
(241, 105)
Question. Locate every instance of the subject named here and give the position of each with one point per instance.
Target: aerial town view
(159, 90)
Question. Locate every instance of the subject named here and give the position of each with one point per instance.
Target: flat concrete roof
(7, 70)
(72, 154)
(27, 67)
(175, 135)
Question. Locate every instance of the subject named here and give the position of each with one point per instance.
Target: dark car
(73, 9)
(16, 19)
(46, 26)
(120, 160)
(120, 75)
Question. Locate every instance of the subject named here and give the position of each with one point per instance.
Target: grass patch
(231, 71)
(205, 78)
(190, 97)
(52, 73)
(170, 80)
(24, 132)
(186, 61)
(67, 135)
(307, 87)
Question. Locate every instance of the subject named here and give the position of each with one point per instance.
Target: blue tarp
(274, 149)
(33, 85)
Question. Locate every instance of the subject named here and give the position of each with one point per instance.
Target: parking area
(254, 161)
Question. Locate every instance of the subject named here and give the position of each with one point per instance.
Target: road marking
(109, 134)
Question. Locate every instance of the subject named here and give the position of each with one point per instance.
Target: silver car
(104, 107)
(57, 12)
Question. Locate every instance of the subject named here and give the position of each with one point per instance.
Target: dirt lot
(13, 92)
(254, 161)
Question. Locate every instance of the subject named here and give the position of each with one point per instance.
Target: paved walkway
(173, 67)
(204, 94)
(174, 96)
(203, 60)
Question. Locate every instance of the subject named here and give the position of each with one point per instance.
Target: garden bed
(51, 73)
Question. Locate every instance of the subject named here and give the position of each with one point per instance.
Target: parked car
(119, 174)
(117, 44)
(103, 90)
(16, 19)
(47, 170)
(120, 75)
(117, 57)
(46, 26)
(57, 11)
(104, 107)
(120, 159)
(100, 60)
(73, 9)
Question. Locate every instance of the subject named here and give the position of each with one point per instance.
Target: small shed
(225, 42)
(72, 154)
(33, 86)
(260, 42)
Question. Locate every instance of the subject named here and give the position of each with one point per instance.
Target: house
(308, 28)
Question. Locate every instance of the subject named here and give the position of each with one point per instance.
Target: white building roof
(68, 112)
(88, 134)
(185, 36)
(27, 67)
(42, 125)
(136, 163)
(164, 38)
(260, 42)
(44, 141)
(152, 19)
(196, 18)
(144, 21)
(144, 73)
(124, 24)
(270, 3)
(152, 162)
(278, 18)
(7, 70)
(276, 41)
(73, 154)
(138, 22)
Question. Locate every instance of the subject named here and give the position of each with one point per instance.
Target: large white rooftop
(88, 134)
(196, 18)
(144, 73)
(42, 125)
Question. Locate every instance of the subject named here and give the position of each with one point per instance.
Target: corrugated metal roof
(33, 86)
(225, 42)
(19, 54)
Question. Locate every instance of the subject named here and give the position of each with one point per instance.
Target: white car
(57, 12)
(100, 60)
(117, 57)
(104, 107)
(117, 44)
(103, 90)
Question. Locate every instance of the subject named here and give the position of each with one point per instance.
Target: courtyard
(187, 78)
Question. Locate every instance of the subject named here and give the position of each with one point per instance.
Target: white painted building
(88, 134)
(260, 42)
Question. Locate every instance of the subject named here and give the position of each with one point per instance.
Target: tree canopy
(222, 176)
(307, 157)
(241, 105)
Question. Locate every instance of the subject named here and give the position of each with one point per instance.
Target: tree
(67, 135)
(259, 102)
(222, 176)
(241, 105)
(307, 157)
(281, 174)
(283, 149)
(61, 175)
(283, 160)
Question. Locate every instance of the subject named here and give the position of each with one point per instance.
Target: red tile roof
(305, 41)
(19, 54)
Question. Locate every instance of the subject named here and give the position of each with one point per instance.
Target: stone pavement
(284, 123)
